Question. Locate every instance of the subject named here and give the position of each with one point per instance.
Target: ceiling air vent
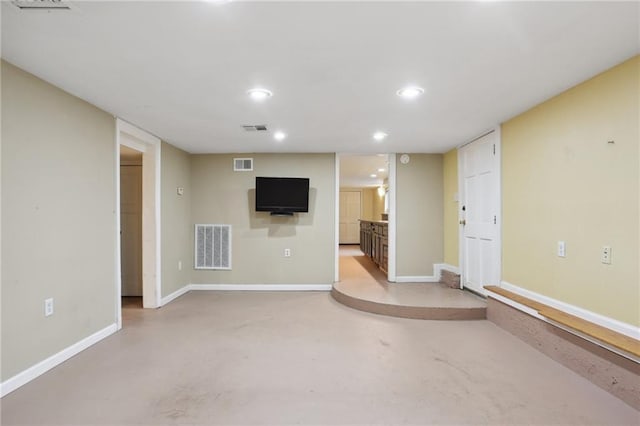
(41, 4)
(242, 164)
(255, 127)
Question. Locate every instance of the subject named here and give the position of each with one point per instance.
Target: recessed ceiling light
(410, 92)
(379, 136)
(279, 136)
(373, 175)
(381, 170)
(259, 94)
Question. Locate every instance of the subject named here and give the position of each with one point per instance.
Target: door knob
(463, 222)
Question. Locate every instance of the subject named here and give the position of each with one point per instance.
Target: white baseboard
(439, 267)
(174, 295)
(610, 323)
(417, 279)
(42, 367)
(261, 287)
(437, 274)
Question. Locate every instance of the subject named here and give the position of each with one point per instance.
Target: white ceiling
(356, 170)
(180, 70)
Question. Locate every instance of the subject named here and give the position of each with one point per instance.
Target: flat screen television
(282, 195)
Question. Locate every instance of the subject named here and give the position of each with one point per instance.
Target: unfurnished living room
(235, 212)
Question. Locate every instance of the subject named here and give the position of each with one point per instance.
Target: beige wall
(563, 181)
(58, 219)
(177, 230)
(419, 215)
(222, 196)
(450, 204)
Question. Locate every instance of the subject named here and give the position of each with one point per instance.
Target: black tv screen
(282, 195)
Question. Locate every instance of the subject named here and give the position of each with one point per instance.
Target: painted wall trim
(437, 274)
(610, 323)
(42, 367)
(391, 266)
(129, 135)
(439, 267)
(171, 297)
(117, 302)
(244, 287)
(535, 314)
(336, 225)
(418, 279)
(261, 287)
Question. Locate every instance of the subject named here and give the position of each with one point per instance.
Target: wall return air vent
(242, 164)
(213, 247)
(41, 4)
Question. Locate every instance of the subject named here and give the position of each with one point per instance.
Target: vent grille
(41, 4)
(242, 164)
(213, 247)
(255, 127)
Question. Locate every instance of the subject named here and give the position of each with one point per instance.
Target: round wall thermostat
(404, 158)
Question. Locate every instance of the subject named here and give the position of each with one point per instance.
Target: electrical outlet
(287, 252)
(179, 265)
(606, 255)
(48, 307)
(562, 249)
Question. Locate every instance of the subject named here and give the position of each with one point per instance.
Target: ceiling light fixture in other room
(373, 175)
(410, 92)
(259, 94)
(279, 136)
(379, 136)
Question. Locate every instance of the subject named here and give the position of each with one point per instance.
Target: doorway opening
(364, 217)
(137, 218)
(130, 228)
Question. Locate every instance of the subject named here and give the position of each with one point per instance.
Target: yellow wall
(366, 211)
(377, 201)
(372, 204)
(562, 180)
(450, 181)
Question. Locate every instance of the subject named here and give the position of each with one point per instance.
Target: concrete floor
(301, 358)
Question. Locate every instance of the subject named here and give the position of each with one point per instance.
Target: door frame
(461, 197)
(391, 267)
(149, 145)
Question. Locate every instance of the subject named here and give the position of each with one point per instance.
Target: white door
(479, 212)
(349, 217)
(131, 229)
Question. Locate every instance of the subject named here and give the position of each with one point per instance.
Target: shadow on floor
(131, 302)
